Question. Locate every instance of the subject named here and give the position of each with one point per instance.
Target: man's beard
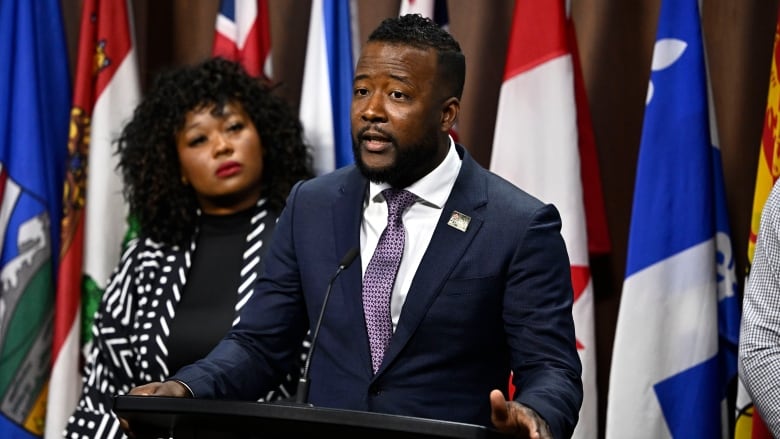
(411, 163)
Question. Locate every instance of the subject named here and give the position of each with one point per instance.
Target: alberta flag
(34, 104)
(326, 95)
(676, 337)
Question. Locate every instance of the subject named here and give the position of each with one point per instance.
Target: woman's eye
(195, 141)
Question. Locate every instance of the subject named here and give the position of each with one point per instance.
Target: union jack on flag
(243, 35)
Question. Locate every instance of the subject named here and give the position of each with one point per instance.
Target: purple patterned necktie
(380, 274)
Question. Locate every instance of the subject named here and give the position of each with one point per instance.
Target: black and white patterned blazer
(132, 325)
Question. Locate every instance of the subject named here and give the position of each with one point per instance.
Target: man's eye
(397, 95)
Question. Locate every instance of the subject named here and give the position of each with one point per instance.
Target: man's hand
(513, 418)
(167, 388)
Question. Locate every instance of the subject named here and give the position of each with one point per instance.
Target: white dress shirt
(419, 221)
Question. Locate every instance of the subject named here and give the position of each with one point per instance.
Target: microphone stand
(302, 392)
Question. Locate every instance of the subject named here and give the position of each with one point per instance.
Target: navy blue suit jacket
(493, 298)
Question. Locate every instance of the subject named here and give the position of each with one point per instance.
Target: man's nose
(374, 109)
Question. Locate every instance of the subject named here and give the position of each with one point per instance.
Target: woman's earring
(184, 181)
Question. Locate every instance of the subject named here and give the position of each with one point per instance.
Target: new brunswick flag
(748, 422)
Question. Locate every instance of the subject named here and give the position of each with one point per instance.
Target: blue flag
(34, 115)
(326, 95)
(676, 337)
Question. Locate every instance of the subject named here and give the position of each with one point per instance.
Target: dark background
(615, 39)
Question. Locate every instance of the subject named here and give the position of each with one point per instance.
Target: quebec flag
(676, 337)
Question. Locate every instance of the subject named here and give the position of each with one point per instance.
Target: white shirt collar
(435, 187)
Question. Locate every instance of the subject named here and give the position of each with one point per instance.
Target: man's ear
(449, 113)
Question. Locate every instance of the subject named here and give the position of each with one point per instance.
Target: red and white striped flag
(106, 90)
(436, 10)
(535, 146)
(243, 35)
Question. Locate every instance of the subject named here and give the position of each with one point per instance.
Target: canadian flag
(535, 146)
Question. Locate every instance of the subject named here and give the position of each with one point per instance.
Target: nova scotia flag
(676, 336)
(326, 94)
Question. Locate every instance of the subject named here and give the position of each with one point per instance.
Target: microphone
(302, 392)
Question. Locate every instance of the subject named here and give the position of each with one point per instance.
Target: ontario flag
(242, 34)
(34, 99)
(749, 424)
(535, 146)
(106, 91)
(326, 94)
(675, 343)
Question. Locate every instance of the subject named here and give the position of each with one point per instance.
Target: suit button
(375, 391)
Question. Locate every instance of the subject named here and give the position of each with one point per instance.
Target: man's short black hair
(421, 32)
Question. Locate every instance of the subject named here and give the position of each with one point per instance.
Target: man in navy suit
(483, 288)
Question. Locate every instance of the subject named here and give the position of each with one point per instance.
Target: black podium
(188, 418)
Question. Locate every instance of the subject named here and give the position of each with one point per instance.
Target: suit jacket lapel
(444, 251)
(347, 216)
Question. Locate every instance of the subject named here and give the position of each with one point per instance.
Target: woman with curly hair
(207, 159)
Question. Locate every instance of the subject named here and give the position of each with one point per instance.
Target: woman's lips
(228, 169)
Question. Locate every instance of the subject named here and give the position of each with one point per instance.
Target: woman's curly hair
(165, 209)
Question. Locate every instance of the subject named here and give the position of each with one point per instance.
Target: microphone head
(348, 258)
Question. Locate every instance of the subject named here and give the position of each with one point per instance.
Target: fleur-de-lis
(665, 53)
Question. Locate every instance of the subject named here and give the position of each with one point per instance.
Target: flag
(106, 91)
(675, 342)
(242, 34)
(326, 95)
(535, 146)
(593, 195)
(34, 98)
(749, 424)
(436, 10)
(433, 9)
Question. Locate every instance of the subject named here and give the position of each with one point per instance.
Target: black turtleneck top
(207, 307)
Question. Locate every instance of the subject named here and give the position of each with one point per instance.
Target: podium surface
(191, 418)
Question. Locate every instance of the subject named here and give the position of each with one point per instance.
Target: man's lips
(228, 169)
(374, 145)
(375, 142)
